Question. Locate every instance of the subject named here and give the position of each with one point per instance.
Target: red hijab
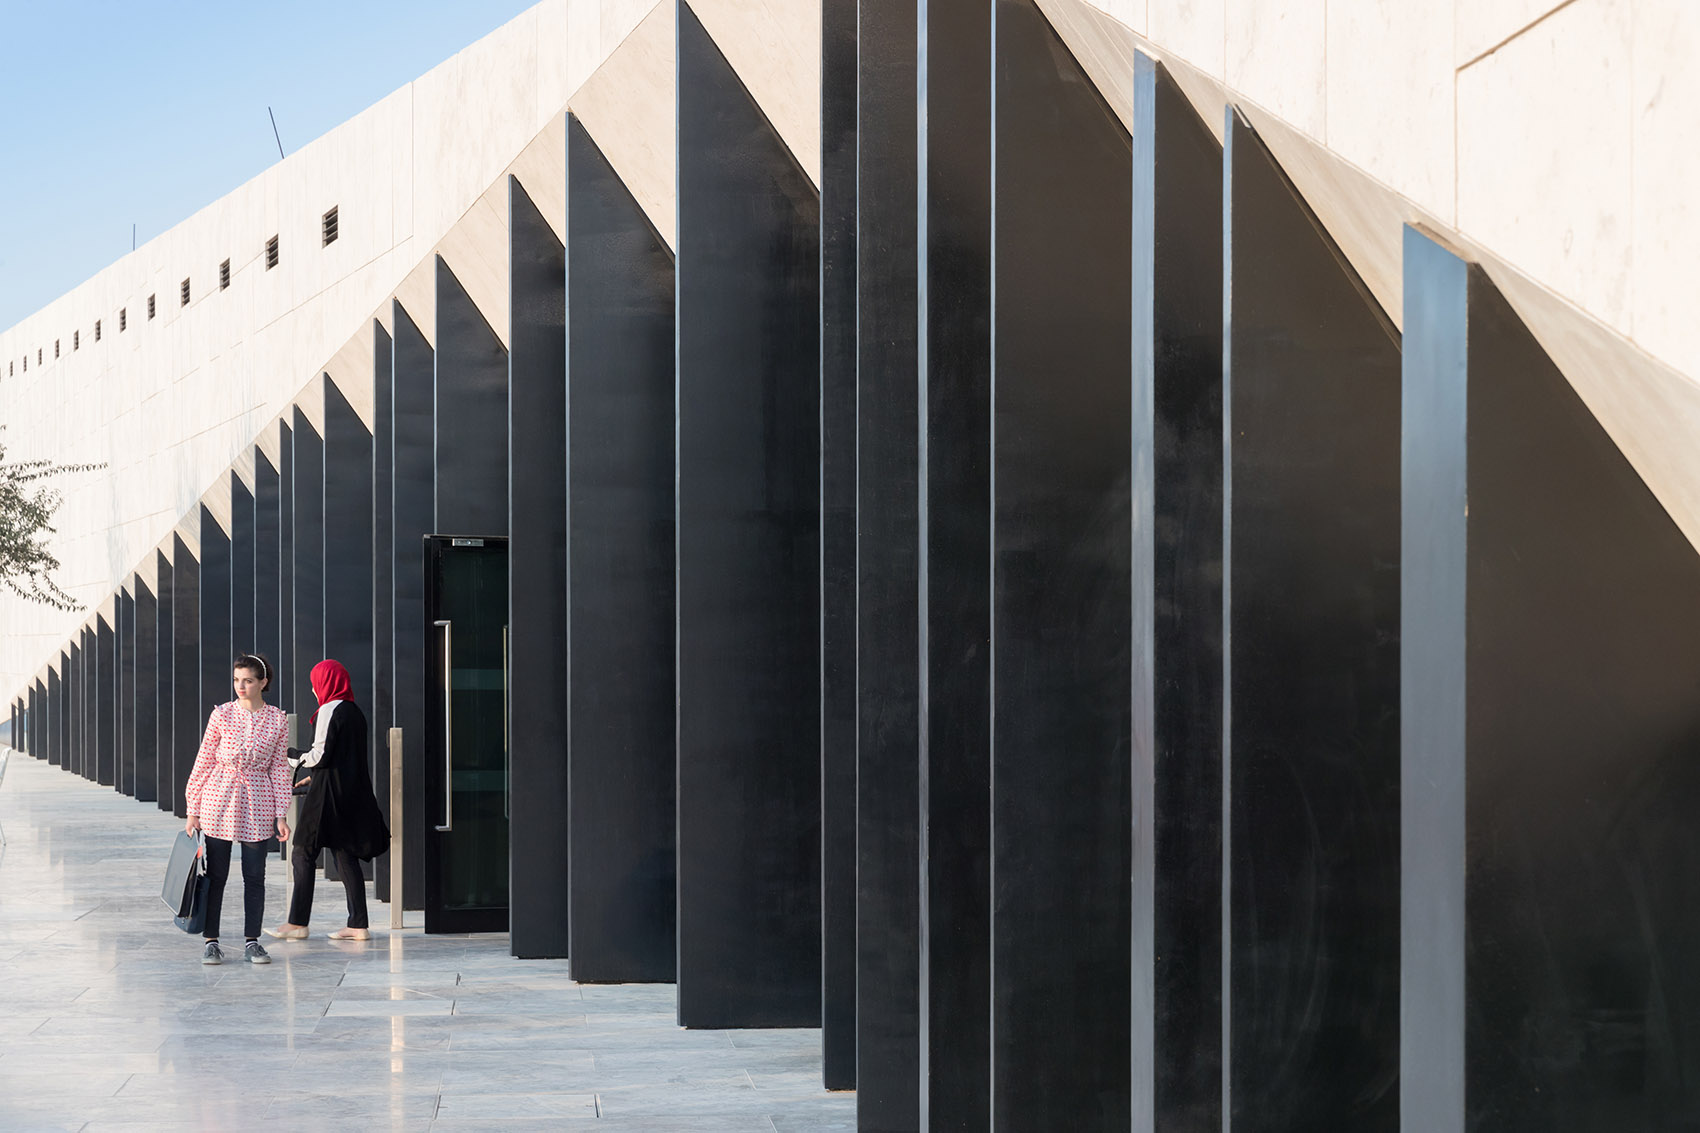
(330, 682)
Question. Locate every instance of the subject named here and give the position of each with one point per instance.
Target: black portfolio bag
(185, 892)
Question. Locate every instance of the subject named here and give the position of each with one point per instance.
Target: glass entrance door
(466, 857)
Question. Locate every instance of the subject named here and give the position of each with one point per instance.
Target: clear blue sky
(116, 112)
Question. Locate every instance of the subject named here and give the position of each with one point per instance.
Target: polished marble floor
(109, 1021)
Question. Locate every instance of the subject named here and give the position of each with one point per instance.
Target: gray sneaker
(212, 954)
(254, 954)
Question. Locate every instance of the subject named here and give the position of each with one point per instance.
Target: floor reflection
(109, 1021)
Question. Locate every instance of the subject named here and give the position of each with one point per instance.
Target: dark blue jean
(253, 885)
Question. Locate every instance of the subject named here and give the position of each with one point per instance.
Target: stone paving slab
(108, 1020)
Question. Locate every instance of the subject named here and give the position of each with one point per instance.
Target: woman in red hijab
(338, 812)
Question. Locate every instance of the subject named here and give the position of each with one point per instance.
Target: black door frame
(438, 918)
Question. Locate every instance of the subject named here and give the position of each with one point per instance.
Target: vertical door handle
(448, 728)
(507, 740)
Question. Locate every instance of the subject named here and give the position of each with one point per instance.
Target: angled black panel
(103, 703)
(188, 722)
(52, 693)
(888, 536)
(748, 400)
(349, 547)
(145, 683)
(1177, 719)
(56, 710)
(838, 543)
(307, 630)
(284, 687)
(94, 704)
(67, 683)
(1061, 583)
(87, 679)
(92, 672)
(348, 550)
(67, 721)
(59, 709)
(620, 575)
(165, 643)
(216, 650)
(50, 713)
(268, 567)
(956, 565)
(413, 507)
(471, 450)
(1312, 636)
(76, 724)
(243, 541)
(537, 578)
(67, 702)
(383, 583)
(1551, 637)
(125, 644)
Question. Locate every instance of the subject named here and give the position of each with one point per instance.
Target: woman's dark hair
(255, 664)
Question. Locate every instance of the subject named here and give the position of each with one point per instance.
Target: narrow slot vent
(327, 226)
(224, 275)
(184, 290)
(271, 253)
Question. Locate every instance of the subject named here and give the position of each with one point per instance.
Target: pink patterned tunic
(240, 785)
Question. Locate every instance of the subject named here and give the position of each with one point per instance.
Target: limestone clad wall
(1545, 141)
(1556, 134)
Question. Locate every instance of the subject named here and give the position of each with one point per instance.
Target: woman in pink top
(239, 792)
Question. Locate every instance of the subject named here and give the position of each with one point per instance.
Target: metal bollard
(396, 892)
(291, 738)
